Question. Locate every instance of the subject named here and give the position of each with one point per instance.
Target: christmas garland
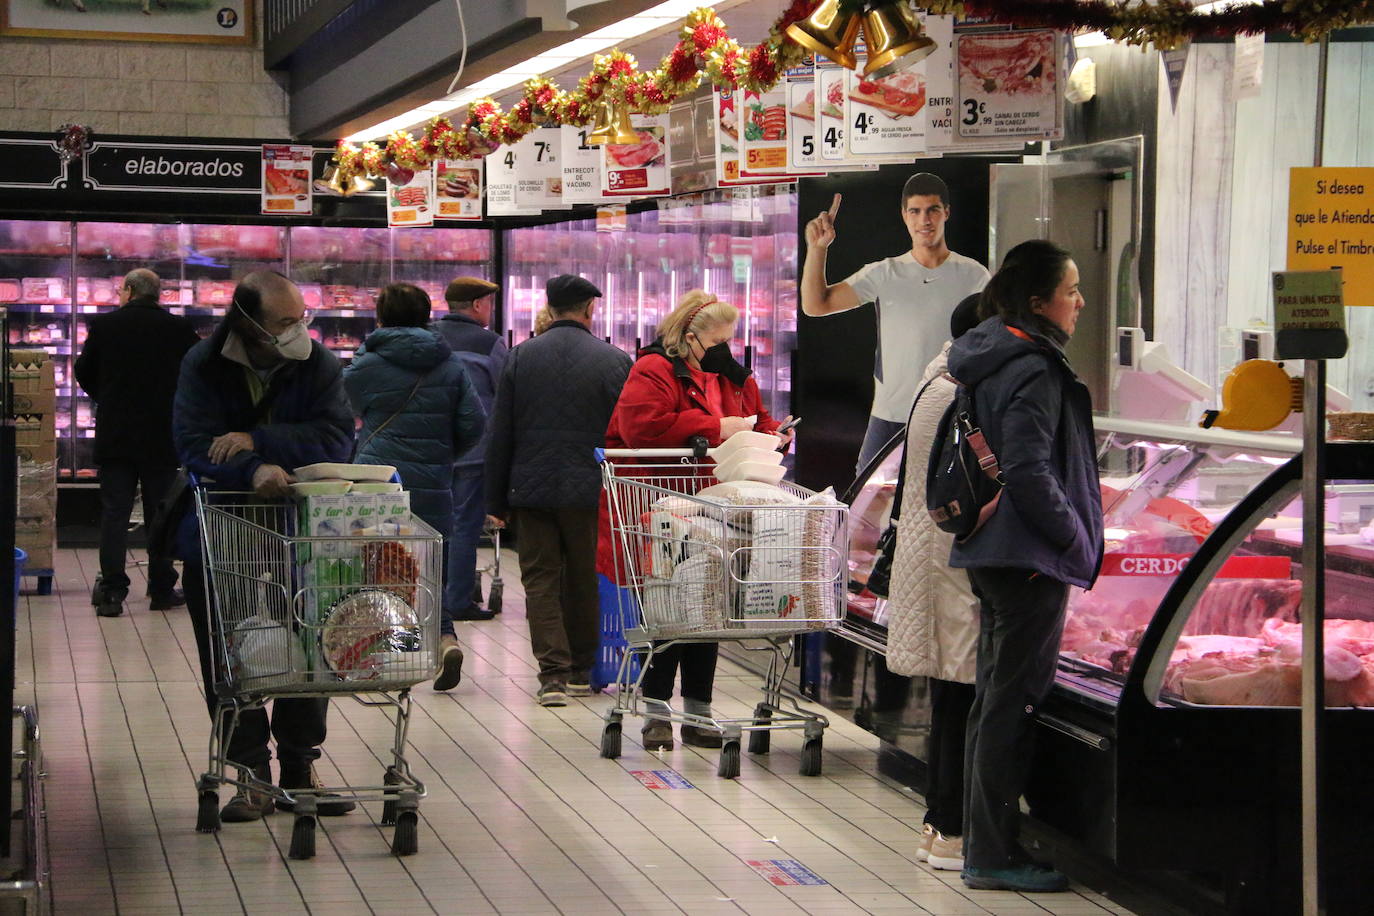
(1166, 23)
(705, 50)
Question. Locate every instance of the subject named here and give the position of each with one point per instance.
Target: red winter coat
(661, 406)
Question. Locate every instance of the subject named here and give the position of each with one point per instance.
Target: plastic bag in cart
(264, 653)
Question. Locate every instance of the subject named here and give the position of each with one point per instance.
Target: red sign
(1171, 564)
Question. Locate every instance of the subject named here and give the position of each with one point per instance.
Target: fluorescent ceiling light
(651, 20)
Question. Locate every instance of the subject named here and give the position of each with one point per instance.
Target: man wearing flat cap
(552, 408)
(483, 353)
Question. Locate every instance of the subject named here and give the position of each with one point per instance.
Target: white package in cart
(792, 569)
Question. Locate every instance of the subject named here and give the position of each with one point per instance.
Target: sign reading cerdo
(1309, 315)
(205, 168)
(1331, 225)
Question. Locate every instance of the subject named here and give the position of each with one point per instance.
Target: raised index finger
(834, 206)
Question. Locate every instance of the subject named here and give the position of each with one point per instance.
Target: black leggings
(698, 663)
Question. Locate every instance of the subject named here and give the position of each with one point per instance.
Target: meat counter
(1171, 737)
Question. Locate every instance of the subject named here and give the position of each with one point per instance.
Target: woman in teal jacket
(419, 412)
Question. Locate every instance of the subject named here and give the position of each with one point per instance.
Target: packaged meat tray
(43, 290)
(9, 290)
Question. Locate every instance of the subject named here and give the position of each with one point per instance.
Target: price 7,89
(973, 110)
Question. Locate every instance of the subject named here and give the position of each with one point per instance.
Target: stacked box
(34, 388)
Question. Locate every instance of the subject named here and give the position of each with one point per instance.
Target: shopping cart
(296, 616)
(760, 568)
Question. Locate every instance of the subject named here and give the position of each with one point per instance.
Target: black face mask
(718, 359)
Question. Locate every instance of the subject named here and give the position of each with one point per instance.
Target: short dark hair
(1031, 270)
(403, 305)
(924, 184)
(248, 292)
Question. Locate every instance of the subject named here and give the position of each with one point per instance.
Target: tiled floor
(523, 816)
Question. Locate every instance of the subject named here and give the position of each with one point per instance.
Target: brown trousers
(557, 550)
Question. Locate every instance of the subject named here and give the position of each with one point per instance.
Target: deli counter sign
(180, 168)
(1331, 226)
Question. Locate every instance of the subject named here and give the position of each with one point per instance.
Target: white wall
(140, 88)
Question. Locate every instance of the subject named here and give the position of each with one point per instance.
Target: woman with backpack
(1044, 536)
(419, 413)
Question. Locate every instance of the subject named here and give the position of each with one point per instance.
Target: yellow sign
(1331, 225)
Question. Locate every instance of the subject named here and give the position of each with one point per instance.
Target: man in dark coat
(129, 367)
(256, 400)
(555, 398)
(483, 353)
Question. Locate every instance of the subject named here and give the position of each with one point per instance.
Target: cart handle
(698, 448)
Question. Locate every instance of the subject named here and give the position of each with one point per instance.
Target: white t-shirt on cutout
(914, 304)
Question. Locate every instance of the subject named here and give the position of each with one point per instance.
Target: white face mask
(294, 344)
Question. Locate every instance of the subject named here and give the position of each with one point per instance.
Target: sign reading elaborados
(1331, 225)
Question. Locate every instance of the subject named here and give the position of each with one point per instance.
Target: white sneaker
(947, 853)
(923, 845)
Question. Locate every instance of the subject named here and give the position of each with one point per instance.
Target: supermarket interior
(1207, 169)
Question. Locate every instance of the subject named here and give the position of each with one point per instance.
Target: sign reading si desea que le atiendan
(1331, 225)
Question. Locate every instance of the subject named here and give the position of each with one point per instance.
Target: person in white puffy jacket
(933, 616)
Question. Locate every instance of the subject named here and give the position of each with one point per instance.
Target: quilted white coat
(932, 613)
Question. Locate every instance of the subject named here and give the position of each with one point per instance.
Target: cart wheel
(610, 741)
(390, 778)
(729, 760)
(406, 840)
(759, 741)
(303, 837)
(207, 811)
(811, 757)
(494, 597)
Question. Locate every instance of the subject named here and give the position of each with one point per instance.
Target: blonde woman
(685, 384)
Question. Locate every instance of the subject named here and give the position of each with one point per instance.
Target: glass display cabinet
(739, 245)
(55, 276)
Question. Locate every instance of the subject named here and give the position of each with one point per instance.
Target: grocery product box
(35, 438)
(33, 382)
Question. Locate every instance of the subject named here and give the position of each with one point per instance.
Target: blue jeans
(879, 433)
(469, 512)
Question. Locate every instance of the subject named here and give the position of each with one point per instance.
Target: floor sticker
(661, 779)
(785, 872)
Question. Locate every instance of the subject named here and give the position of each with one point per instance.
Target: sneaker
(657, 735)
(579, 687)
(249, 804)
(1024, 878)
(700, 737)
(328, 804)
(554, 694)
(946, 853)
(167, 601)
(451, 662)
(924, 843)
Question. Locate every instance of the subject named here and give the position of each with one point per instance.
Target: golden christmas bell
(828, 31)
(895, 39)
(611, 124)
(330, 182)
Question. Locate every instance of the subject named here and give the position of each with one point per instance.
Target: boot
(451, 662)
(657, 735)
(328, 804)
(701, 737)
(249, 804)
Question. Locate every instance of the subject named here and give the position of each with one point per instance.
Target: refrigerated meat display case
(1170, 739)
(57, 275)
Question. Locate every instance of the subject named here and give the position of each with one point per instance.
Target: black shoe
(111, 607)
(328, 804)
(167, 601)
(475, 613)
(657, 735)
(249, 804)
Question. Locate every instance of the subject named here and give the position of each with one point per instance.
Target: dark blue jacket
(307, 418)
(555, 398)
(483, 354)
(1038, 420)
(429, 430)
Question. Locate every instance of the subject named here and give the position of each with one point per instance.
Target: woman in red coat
(684, 385)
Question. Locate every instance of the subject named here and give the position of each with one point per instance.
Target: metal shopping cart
(761, 566)
(355, 613)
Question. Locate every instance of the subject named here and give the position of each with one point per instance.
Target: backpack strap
(900, 492)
